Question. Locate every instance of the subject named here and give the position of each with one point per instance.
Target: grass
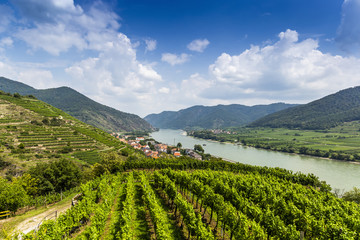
(341, 142)
(91, 157)
(343, 138)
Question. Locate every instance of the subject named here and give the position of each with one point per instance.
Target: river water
(339, 174)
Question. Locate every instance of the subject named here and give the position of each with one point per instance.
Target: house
(161, 147)
(177, 154)
(154, 154)
(136, 146)
(193, 154)
(174, 150)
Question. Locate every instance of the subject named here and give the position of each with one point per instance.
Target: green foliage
(17, 95)
(56, 176)
(353, 195)
(66, 149)
(12, 195)
(198, 148)
(110, 162)
(325, 113)
(3, 163)
(90, 157)
(341, 143)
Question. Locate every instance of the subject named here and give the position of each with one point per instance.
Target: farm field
(202, 204)
(341, 142)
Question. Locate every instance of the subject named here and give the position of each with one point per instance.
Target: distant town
(153, 149)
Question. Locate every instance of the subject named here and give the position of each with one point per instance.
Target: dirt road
(32, 223)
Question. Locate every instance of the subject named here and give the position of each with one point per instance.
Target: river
(339, 174)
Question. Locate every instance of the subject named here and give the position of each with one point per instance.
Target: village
(153, 149)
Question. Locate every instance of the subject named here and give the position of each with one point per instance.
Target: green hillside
(32, 132)
(220, 116)
(325, 113)
(80, 107)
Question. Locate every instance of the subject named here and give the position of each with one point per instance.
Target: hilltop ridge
(219, 116)
(327, 112)
(80, 107)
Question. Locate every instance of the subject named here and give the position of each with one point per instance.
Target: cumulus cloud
(105, 68)
(57, 26)
(174, 59)
(348, 34)
(114, 75)
(150, 44)
(289, 69)
(46, 11)
(164, 90)
(53, 39)
(198, 45)
(35, 77)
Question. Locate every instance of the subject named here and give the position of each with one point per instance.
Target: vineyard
(203, 204)
(32, 131)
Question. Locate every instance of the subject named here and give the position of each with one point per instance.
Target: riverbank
(266, 149)
(338, 144)
(339, 174)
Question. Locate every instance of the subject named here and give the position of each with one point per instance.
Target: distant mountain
(327, 112)
(213, 117)
(80, 107)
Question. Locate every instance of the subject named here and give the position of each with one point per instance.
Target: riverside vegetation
(125, 195)
(341, 142)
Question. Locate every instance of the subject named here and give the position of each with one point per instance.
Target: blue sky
(143, 56)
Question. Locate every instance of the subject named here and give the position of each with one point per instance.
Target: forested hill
(327, 112)
(213, 117)
(80, 107)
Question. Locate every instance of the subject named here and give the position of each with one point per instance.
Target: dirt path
(31, 223)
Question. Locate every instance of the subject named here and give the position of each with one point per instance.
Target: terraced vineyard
(32, 131)
(203, 204)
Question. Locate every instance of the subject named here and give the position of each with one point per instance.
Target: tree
(58, 175)
(198, 148)
(179, 145)
(353, 195)
(12, 195)
(28, 182)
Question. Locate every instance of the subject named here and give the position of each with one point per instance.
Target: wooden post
(302, 234)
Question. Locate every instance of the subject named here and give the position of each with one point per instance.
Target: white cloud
(164, 90)
(35, 77)
(150, 44)
(289, 69)
(198, 45)
(348, 34)
(6, 42)
(174, 59)
(53, 39)
(116, 77)
(60, 25)
(108, 70)
(46, 11)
